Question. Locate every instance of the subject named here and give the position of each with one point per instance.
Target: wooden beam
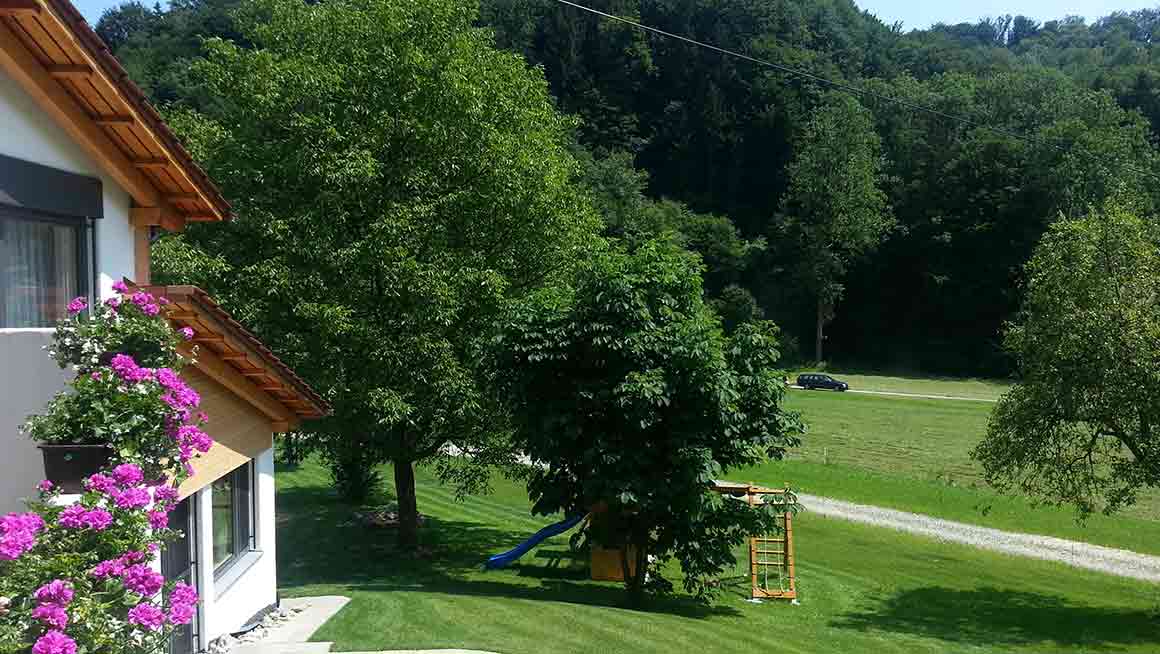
(141, 265)
(60, 107)
(70, 70)
(254, 373)
(145, 216)
(280, 426)
(114, 119)
(234, 357)
(171, 221)
(10, 7)
(182, 197)
(152, 164)
(201, 219)
(226, 375)
(178, 315)
(210, 338)
(272, 387)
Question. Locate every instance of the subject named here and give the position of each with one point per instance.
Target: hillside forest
(828, 200)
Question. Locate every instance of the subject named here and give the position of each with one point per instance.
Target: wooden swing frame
(766, 552)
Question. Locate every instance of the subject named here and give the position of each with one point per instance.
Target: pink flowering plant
(130, 322)
(79, 577)
(131, 398)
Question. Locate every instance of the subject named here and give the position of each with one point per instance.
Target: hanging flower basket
(66, 464)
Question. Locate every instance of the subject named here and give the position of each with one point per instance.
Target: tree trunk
(408, 504)
(818, 333)
(634, 579)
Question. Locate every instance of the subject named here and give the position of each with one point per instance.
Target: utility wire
(848, 88)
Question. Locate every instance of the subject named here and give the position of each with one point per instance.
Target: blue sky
(924, 13)
(913, 13)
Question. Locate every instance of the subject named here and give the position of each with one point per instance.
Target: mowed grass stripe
(863, 590)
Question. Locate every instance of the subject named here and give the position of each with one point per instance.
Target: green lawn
(979, 506)
(862, 590)
(982, 389)
(927, 441)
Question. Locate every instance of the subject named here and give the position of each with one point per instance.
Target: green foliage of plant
(397, 180)
(1082, 426)
(632, 397)
(90, 338)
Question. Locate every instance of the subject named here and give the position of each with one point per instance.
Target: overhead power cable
(849, 88)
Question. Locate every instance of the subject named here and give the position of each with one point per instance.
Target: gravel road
(1080, 555)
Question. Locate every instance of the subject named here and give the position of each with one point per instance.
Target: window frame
(243, 517)
(83, 257)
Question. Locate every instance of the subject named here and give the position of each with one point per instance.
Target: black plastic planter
(66, 465)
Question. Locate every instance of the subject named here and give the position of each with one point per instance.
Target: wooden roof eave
(66, 51)
(233, 359)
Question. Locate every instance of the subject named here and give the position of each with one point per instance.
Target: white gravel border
(1121, 563)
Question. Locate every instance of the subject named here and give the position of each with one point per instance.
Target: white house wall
(28, 378)
(251, 584)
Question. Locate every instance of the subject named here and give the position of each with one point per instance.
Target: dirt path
(1080, 555)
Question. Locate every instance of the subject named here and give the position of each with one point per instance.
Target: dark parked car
(814, 380)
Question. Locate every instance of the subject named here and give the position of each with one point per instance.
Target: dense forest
(747, 164)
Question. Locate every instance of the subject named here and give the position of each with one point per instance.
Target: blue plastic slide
(509, 557)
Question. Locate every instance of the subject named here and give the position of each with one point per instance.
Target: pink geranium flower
(54, 642)
(128, 474)
(148, 616)
(58, 592)
(143, 580)
(100, 483)
(51, 615)
(158, 520)
(131, 498)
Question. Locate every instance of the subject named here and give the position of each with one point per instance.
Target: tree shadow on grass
(991, 616)
(320, 543)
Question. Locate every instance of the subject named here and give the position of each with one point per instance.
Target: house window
(42, 267)
(233, 517)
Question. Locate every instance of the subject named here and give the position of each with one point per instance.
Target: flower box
(65, 465)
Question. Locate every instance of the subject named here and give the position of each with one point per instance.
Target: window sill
(224, 579)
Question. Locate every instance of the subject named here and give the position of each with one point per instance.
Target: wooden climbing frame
(770, 557)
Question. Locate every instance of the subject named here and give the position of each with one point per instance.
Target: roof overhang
(238, 360)
(49, 49)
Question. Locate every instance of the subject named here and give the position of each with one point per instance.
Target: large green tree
(834, 211)
(1083, 424)
(627, 391)
(397, 180)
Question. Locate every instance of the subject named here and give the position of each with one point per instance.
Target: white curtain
(38, 271)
